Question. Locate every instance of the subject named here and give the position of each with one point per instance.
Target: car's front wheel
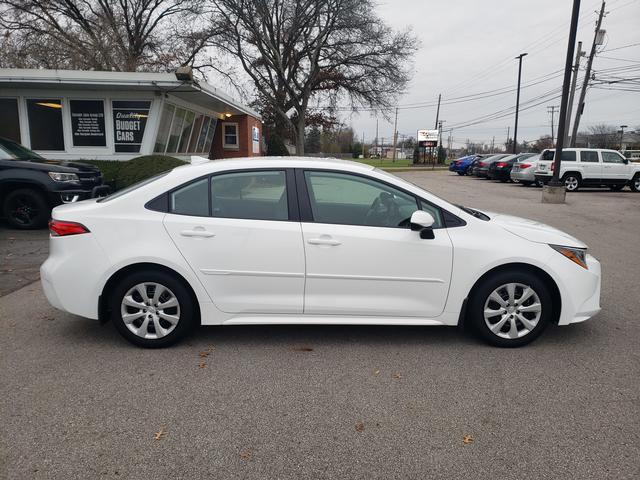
(26, 208)
(152, 309)
(510, 309)
(635, 183)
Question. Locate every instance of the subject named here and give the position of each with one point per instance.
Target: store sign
(255, 138)
(87, 123)
(428, 138)
(129, 122)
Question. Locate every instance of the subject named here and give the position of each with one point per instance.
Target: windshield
(15, 151)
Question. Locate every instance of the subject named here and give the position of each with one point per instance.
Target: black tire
(186, 310)
(634, 184)
(616, 188)
(26, 209)
(460, 173)
(480, 295)
(572, 181)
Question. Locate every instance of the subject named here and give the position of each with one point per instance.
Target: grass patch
(383, 162)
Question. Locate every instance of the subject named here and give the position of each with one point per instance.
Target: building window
(87, 123)
(45, 124)
(184, 131)
(230, 136)
(9, 119)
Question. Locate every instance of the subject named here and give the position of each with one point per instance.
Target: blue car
(461, 165)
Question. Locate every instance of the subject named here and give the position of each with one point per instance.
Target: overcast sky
(468, 47)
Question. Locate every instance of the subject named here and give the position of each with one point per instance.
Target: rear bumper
(523, 176)
(544, 179)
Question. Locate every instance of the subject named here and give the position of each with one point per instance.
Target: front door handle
(324, 240)
(197, 232)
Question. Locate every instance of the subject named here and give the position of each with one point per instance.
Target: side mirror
(422, 222)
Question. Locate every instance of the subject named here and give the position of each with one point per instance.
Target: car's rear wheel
(460, 173)
(26, 208)
(510, 308)
(635, 183)
(152, 309)
(571, 182)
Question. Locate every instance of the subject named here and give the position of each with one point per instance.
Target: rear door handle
(324, 240)
(197, 232)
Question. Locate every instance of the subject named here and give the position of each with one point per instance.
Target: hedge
(119, 174)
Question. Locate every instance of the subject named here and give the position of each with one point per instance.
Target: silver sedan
(523, 171)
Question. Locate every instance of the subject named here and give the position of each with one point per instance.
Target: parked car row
(579, 167)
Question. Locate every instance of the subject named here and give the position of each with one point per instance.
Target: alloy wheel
(571, 183)
(150, 310)
(512, 310)
(23, 210)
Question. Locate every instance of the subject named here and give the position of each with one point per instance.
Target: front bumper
(76, 195)
(579, 288)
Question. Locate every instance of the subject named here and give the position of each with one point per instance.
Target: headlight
(63, 177)
(576, 255)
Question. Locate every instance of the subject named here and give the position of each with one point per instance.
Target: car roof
(274, 162)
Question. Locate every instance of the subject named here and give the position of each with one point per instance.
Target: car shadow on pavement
(81, 331)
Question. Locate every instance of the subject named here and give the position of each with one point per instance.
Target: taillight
(481, 164)
(58, 228)
(553, 166)
(501, 164)
(524, 165)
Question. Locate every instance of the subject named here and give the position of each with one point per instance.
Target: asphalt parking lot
(334, 402)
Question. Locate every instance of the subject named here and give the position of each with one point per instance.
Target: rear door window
(252, 195)
(589, 156)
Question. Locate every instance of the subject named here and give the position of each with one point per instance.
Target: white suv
(592, 167)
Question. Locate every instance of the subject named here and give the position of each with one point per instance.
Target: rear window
(567, 156)
(133, 187)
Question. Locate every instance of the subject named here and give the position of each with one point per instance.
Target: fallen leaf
(245, 454)
(160, 434)
(202, 364)
(206, 352)
(359, 427)
(467, 439)
(302, 349)
(396, 375)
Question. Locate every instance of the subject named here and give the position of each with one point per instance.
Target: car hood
(534, 231)
(54, 165)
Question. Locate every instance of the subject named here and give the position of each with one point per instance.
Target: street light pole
(515, 130)
(622, 127)
(555, 192)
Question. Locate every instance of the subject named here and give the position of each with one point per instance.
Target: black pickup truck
(30, 185)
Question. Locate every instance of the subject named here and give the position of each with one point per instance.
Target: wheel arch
(103, 299)
(556, 299)
(9, 186)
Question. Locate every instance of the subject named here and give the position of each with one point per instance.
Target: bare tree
(544, 142)
(295, 51)
(603, 136)
(123, 35)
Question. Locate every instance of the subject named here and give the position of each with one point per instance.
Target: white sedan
(307, 241)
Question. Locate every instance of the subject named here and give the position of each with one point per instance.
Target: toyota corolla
(309, 241)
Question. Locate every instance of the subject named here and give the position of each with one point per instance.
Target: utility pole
(622, 127)
(515, 129)
(438, 110)
(597, 40)
(395, 134)
(555, 192)
(376, 136)
(552, 110)
(506, 145)
(576, 68)
(493, 142)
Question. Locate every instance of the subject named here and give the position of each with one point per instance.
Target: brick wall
(245, 143)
